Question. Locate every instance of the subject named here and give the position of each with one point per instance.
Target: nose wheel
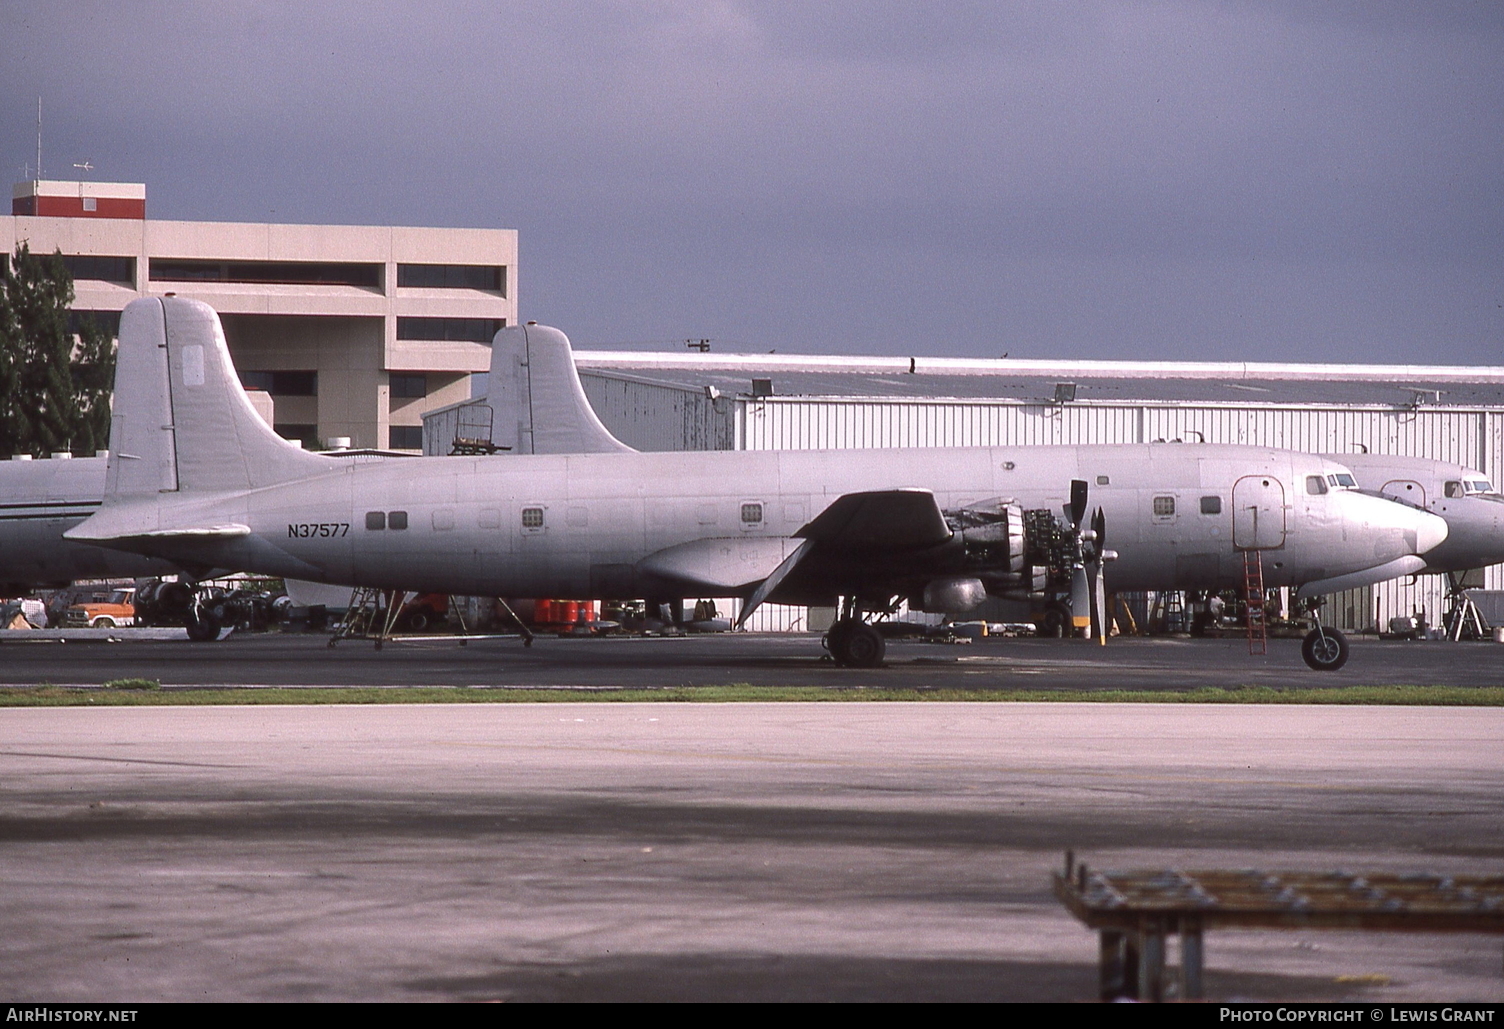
(1324, 650)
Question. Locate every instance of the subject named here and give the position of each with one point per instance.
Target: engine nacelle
(953, 594)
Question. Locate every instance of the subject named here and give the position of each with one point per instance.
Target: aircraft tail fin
(538, 402)
(182, 421)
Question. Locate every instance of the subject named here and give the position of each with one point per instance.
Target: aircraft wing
(880, 520)
(858, 534)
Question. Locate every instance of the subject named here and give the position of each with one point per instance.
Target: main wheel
(417, 620)
(855, 645)
(1053, 623)
(1325, 650)
(201, 626)
(864, 647)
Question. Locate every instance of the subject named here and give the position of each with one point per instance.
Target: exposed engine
(1007, 552)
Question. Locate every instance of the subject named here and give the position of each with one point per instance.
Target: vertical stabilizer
(182, 421)
(534, 390)
(143, 458)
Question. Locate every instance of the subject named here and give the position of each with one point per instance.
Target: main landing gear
(852, 642)
(1324, 650)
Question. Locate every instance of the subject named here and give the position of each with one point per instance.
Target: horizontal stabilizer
(98, 530)
(881, 520)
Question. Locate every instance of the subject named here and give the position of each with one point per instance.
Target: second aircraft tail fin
(538, 402)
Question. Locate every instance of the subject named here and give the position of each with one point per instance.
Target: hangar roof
(1033, 380)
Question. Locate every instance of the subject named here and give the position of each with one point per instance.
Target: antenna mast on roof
(39, 139)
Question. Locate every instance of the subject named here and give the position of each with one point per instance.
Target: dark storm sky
(1229, 180)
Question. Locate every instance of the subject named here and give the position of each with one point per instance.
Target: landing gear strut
(852, 642)
(1324, 650)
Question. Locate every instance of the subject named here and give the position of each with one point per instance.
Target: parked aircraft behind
(196, 478)
(39, 501)
(1473, 509)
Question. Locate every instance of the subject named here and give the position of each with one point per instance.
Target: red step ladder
(1253, 592)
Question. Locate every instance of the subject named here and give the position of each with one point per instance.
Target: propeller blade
(1078, 502)
(1101, 618)
(1081, 592)
(1099, 526)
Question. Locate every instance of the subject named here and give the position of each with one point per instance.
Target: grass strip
(111, 695)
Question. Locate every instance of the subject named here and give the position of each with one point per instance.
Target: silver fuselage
(41, 500)
(1475, 519)
(604, 516)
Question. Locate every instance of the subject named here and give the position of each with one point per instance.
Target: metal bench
(1135, 911)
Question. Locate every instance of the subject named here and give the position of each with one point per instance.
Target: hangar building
(354, 330)
(695, 401)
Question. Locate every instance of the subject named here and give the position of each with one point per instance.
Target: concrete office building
(354, 330)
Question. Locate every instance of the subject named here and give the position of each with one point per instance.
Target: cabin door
(1258, 513)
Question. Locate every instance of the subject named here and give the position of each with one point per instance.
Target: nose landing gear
(1324, 650)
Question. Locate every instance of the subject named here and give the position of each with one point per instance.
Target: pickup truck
(102, 611)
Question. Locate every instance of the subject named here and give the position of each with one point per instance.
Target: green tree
(54, 388)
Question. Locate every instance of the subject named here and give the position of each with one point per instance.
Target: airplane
(196, 478)
(1473, 509)
(39, 501)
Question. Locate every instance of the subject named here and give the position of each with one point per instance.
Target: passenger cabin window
(1454, 489)
(1315, 485)
(375, 519)
(532, 517)
(396, 519)
(1164, 507)
(1103, 480)
(1211, 505)
(751, 514)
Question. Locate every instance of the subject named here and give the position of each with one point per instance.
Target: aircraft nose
(1430, 531)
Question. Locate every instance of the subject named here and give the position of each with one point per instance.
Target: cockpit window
(1346, 480)
(1315, 485)
(1454, 489)
(1480, 486)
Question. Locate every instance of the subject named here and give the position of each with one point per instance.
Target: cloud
(733, 168)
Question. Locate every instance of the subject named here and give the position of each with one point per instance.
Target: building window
(452, 276)
(396, 520)
(375, 520)
(283, 384)
(101, 269)
(532, 517)
(469, 330)
(307, 435)
(107, 322)
(405, 437)
(408, 387)
(1164, 507)
(1211, 505)
(91, 203)
(293, 273)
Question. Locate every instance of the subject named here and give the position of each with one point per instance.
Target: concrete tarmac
(757, 659)
(707, 852)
